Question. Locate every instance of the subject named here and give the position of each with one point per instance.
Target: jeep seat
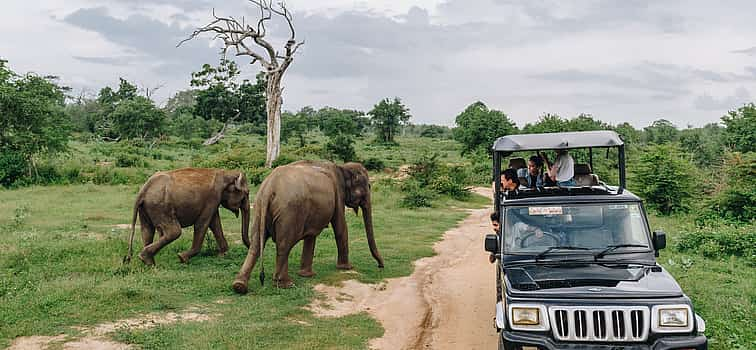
(522, 169)
(517, 163)
(584, 177)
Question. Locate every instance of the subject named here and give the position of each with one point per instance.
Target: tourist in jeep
(562, 171)
(509, 181)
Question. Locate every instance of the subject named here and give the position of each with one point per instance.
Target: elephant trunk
(367, 217)
(245, 222)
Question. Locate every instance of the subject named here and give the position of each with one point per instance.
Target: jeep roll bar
(506, 145)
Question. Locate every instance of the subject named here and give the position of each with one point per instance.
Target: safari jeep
(576, 265)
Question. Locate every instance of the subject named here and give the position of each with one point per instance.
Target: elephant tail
(137, 204)
(259, 229)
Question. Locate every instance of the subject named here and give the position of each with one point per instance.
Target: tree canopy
(387, 117)
(32, 121)
(478, 127)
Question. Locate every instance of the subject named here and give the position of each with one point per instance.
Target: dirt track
(447, 302)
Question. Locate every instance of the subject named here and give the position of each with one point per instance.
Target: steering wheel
(543, 241)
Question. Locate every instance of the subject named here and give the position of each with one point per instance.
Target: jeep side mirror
(492, 244)
(659, 239)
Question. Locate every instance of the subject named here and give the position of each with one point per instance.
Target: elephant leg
(281, 278)
(215, 226)
(170, 232)
(342, 241)
(148, 230)
(308, 250)
(240, 283)
(200, 229)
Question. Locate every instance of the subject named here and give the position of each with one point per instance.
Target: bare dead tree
(245, 39)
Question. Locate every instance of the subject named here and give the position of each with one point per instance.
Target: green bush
(129, 160)
(720, 242)
(374, 164)
(252, 129)
(283, 160)
(13, 167)
(451, 186)
(109, 176)
(257, 175)
(736, 201)
(341, 147)
(237, 158)
(664, 178)
(416, 196)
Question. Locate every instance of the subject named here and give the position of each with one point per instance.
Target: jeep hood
(590, 280)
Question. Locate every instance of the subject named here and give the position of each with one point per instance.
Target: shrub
(720, 242)
(341, 147)
(283, 160)
(257, 175)
(664, 178)
(451, 186)
(374, 164)
(12, 167)
(737, 199)
(416, 196)
(128, 160)
(237, 158)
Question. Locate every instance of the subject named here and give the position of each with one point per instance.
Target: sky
(619, 60)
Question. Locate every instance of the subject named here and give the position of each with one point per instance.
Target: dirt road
(447, 302)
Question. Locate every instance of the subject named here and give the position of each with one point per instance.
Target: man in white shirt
(563, 169)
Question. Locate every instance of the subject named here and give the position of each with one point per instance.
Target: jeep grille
(600, 324)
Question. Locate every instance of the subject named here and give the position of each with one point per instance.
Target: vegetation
(32, 123)
(387, 117)
(478, 127)
(61, 244)
(663, 177)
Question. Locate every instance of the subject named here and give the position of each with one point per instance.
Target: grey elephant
(171, 200)
(296, 202)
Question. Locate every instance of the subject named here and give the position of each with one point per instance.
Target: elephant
(171, 200)
(296, 202)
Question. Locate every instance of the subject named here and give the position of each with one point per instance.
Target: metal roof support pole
(590, 158)
(621, 164)
(497, 179)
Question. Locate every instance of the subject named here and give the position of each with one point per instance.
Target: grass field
(723, 291)
(61, 268)
(61, 250)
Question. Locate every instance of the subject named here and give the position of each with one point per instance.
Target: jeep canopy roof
(561, 140)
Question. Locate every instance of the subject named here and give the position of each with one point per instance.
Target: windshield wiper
(550, 249)
(614, 247)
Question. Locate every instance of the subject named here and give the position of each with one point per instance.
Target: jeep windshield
(593, 230)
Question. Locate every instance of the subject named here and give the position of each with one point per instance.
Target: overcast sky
(620, 60)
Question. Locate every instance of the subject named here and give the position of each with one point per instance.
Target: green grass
(723, 290)
(60, 267)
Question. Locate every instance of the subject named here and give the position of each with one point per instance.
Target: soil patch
(95, 337)
(447, 302)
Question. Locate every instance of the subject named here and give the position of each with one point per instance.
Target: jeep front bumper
(516, 340)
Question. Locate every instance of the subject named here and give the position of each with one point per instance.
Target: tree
(32, 122)
(737, 199)
(705, 144)
(181, 103)
(740, 133)
(661, 131)
(546, 123)
(628, 133)
(240, 37)
(138, 117)
(387, 117)
(478, 127)
(222, 98)
(341, 146)
(664, 178)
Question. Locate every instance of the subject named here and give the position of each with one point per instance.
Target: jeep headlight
(528, 317)
(671, 318)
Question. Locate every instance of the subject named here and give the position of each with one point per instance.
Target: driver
(522, 230)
